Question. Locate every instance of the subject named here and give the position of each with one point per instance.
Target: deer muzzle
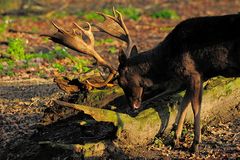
(136, 104)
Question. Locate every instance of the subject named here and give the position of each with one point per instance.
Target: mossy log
(130, 130)
(221, 96)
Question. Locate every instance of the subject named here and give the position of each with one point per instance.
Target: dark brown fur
(196, 50)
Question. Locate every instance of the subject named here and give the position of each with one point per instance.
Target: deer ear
(134, 51)
(122, 58)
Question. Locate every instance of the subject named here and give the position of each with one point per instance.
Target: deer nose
(136, 104)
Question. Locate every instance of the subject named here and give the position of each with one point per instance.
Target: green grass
(35, 29)
(79, 64)
(3, 26)
(45, 39)
(112, 50)
(47, 56)
(60, 14)
(89, 16)
(103, 41)
(59, 67)
(165, 14)
(18, 58)
(128, 12)
(7, 66)
(79, 13)
(1, 69)
(16, 48)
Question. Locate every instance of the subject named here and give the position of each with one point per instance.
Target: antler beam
(112, 25)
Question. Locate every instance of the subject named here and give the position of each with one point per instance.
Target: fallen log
(221, 96)
(131, 130)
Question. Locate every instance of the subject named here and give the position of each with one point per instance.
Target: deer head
(114, 26)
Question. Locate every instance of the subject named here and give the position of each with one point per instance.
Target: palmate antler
(115, 26)
(112, 25)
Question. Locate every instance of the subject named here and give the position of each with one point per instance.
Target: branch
(98, 114)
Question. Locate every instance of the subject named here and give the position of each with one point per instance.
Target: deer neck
(150, 63)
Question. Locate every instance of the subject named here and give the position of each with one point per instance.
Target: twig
(20, 31)
(235, 136)
(4, 43)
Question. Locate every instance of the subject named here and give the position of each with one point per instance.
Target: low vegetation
(128, 12)
(165, 14)
(16, 58)
(3, 25)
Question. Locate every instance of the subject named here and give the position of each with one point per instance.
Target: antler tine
(88, 33)
(75, 42)
(98, 85)
(115, 26)
(60, 29)
(121, 22)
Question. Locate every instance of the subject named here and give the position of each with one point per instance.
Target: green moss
(158, 142)
(99, 94)
(93, 149)
(220, 86)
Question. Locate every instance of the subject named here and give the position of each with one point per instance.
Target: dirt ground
(25, 105)
(26, 99)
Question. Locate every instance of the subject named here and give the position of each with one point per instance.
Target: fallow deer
(194, 51)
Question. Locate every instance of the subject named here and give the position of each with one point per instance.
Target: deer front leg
(196, 101)
(181, 117)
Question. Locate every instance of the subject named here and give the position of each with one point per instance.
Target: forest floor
(27, 87)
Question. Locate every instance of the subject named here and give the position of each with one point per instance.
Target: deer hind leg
(181, 117)
(196, 87)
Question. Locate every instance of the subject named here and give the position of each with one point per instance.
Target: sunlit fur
(196, 50)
